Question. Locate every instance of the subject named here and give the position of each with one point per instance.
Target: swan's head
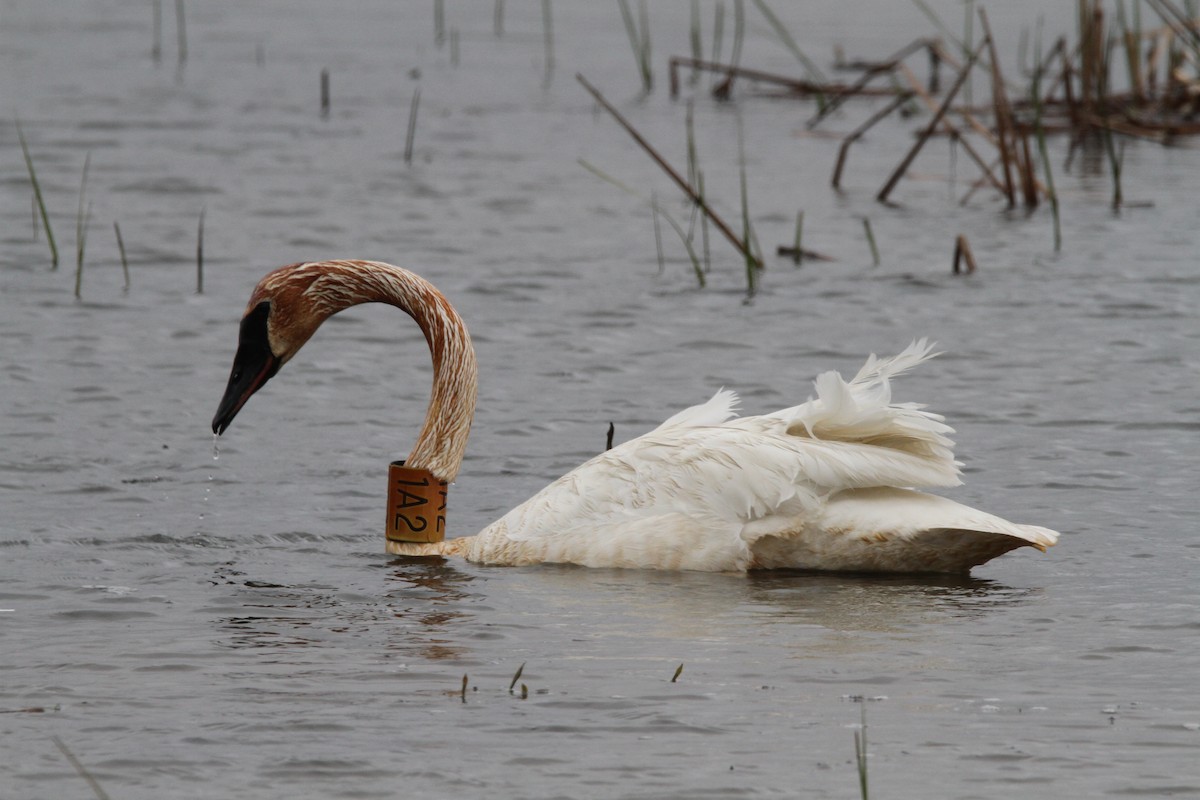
(280, 318)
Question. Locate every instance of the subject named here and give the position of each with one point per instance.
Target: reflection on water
(428, 600)
(703, 603)
(880, 603)
(417, 612)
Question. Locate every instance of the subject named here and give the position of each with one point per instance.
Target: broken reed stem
(962, 253)
(678, 672)
(324, 94)
(498, 19)
(871, 240)
(888, 65)
(121, 249)
(412, 126)
(792, 84)
(97, 789)
(741, 245)
(463, 693)
(608, 443)
(521, 668)
(937, 118)
(439, 23)
(37, 193)
(200, 254)
(694, 38)
(858, 133)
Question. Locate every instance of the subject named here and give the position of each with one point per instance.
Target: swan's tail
(861, 411)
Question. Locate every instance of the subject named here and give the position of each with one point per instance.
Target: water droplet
(216, 447)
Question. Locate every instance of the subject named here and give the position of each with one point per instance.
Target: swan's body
(816, 486)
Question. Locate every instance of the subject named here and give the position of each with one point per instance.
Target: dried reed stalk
(743, 246)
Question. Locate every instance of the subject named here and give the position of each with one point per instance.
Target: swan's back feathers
(703, 491)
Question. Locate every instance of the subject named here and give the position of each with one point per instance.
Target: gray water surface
(203, 621)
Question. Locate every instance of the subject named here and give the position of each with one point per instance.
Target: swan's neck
(443, 439)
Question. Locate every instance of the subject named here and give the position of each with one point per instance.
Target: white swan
(816, 486)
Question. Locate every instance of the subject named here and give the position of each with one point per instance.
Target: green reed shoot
(739, 31)
(703, 223)
(814, 72)
(658, 210)
(718, 30)
(516, 677)
(968, 39)
(871, 240)
(83, 224)
(324, 94)
(463, 693)
(1116, 158)
(121, 249)
(412, 126)
(798, 252)
(639, 41)
(751, 263)
(1040, 131)
(860, 752)
(548, 42)
(81, 220)
(37, 193)
(690, 129)
(678, 672)
(694, 37)
(181, 31)
(200, 255)
(657, 234)
(524, 692)
(156, 47)
(97, 789)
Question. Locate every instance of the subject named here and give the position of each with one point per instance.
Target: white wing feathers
(720, 408)
(701, 470)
